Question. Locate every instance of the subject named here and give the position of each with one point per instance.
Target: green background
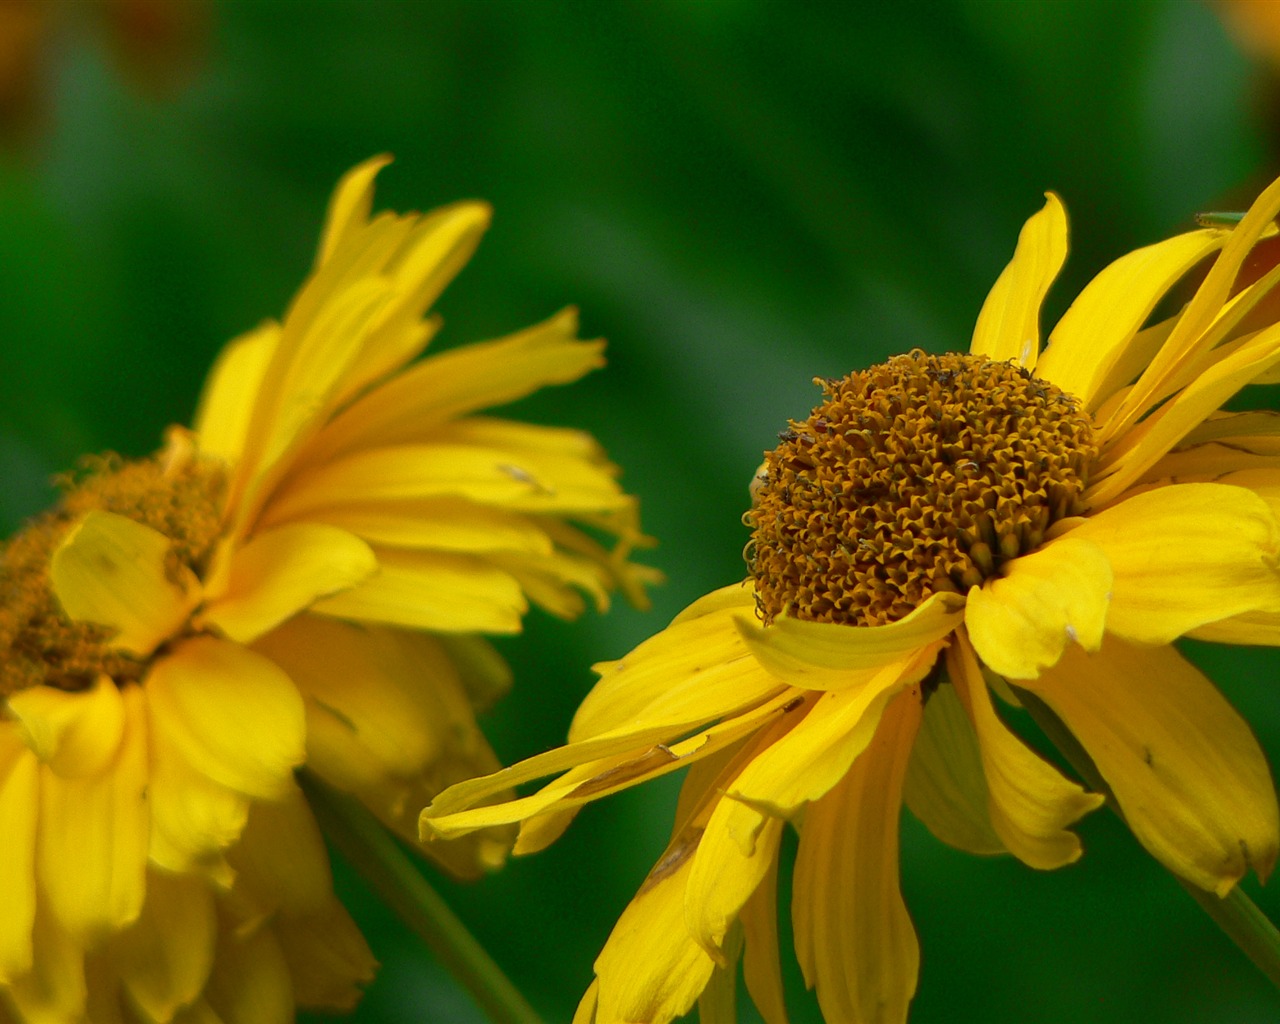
(739, 196)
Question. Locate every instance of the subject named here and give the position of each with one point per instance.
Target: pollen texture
(921, 474)
(173, 493)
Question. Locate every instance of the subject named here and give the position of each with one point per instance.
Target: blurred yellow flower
(301, 579)
(937, 527)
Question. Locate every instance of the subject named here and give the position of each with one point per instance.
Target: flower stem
(1236, 914)
(384, 865)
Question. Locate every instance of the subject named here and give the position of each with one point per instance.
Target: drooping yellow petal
(832, 656)
(946, 787)
(761, 960)
(696, 669)
(1009, 325)
(237, 717)
(19, 813)
(853, 937)
(75, 734)
(811, 758)
(461, 381)
(55, 988)
(282, 572)
(1094, 333)
(111, 571)
(1186, 555)
(651, 969)
(280, 860)
(1187, 772)
(164, 959)
(433, 590)
(92, 847)
(1030, 803)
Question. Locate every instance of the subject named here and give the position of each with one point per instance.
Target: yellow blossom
(301, 579)
(937, 528)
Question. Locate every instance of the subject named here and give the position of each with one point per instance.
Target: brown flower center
(174, 493)
(922, 474)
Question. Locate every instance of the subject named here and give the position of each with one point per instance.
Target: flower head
(303, 578)
(937, 528)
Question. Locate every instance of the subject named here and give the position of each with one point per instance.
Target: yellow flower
(937, 527)
(302, 579)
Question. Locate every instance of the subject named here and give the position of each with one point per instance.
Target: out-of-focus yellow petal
(761, 960)
(19, 813)
(1053, 597)
(1186, 555)
(250, 983)
(433, 590)
(833, 656)
(1009, 325)
(93, 836)
(237, 717)
(75, 734)
(280, 860)
(1094, 333)
(1187, 772)
(1030, 803)
(282, 572)
(854, 939)
(327, 956)
(349, 205)
(946, 787)
(54, 990)
(111, 571)
(226, 405)
(164, 959)
(461, 381)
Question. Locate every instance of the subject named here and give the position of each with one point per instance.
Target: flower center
(174, 493)
(922, 474)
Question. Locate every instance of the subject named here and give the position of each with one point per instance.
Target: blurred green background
(740, 195)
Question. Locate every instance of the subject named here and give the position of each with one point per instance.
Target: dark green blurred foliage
(740, 196)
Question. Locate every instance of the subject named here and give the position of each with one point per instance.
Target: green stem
(384, 865)
(1236, 914)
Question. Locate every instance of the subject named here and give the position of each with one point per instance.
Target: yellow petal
(1009, 325)
(1030, 803)
(226, 404)
(811, 758)
(1022, 622)
(1262, 628)
(761, 960)
(55, 989)
(463, 380)
(1143, 445)
(238, 718)
(19, 813)
(946, 787)
(651, 969)
(280, 862)
(1096, 330)
(1186, 555)
(92, 848)
(1187, 772)
(75, 734)
(831, 656)
(282, 572)
(111, 571)
(853, 937)
(440, 524)
(328, 958)
(350, 204)
(250, 982)
(696, 669)
(164, 959)
(433, 590)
